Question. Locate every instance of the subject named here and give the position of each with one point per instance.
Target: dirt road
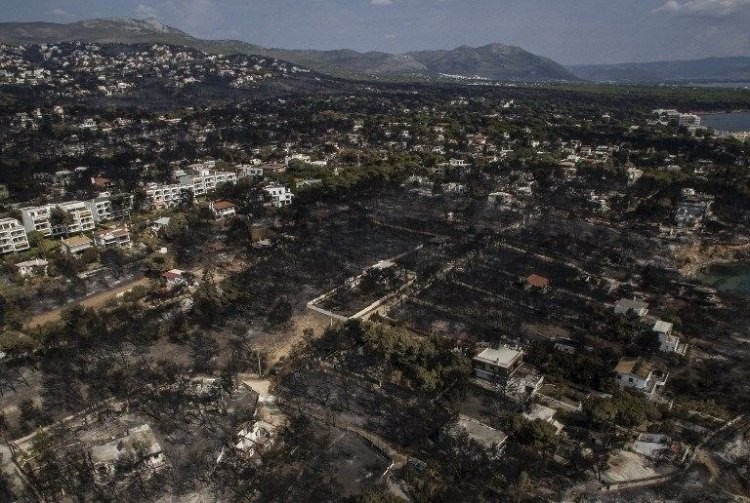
(94, 301)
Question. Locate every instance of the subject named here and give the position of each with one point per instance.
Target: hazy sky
(569, 31)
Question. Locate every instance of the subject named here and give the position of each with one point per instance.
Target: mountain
(494, 61)
(734, 69)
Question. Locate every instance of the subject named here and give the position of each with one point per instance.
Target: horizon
(160, 21)
(585, 32)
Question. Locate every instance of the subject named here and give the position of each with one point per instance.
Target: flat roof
(537, 281)
(539, 411)
(632, 304)
(662, 326)
(485, 435)
(635, 366)
(503, 357)
(77, 241)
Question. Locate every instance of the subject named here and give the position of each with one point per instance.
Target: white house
(458, 163)
(543, 413)
(248, 171)
(160, 223)
(492, 364)
(76, 244)
(12, 236)
(670, 343)
(640, 374)
(113, 238)
(489, 438)
(624, 306)
(280, 196)
(223, 209)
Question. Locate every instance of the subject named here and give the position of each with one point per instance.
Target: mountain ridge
(711, 69)
(491, 61)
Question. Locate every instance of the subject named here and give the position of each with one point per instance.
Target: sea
(728, 278)
(730, 121)
(728, 85)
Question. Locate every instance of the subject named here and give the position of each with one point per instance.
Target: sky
(568, 31)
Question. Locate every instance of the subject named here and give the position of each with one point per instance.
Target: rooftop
(537, 281)
(633, 304)
(481, 433)
(76, 241)
(539, 411)
(663, 327)
(635, 366)
(223, 205)
(503, 357)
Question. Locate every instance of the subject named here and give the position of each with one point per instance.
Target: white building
(689, 120)
(166, 196)
(638, 307)
(670, 343)
(12, 236)
(249, 171)
(83, 219)
(203, 180)
(113, 238)
(223, 209)
(76, 244)
(639, 374)
(543, 413)
(491, 364)
(458, 163)
(38, 218)
(491, 439)
(108, 207)
(280, 196)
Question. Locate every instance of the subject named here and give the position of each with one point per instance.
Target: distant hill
(494, 61)
(735, 69)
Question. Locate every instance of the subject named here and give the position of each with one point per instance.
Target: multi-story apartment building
(39, 218)
(248, 171)
(113, 238)
(166, 196)
(36, 218)
(82, 219)
(280, 196)
(12, 236)
(204, 180)
(110, 207)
